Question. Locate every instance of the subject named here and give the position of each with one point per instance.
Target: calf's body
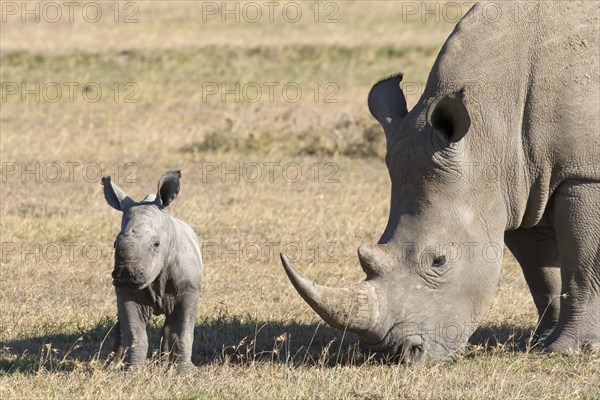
(158, 270)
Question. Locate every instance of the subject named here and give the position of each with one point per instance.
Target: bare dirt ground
(267, 120)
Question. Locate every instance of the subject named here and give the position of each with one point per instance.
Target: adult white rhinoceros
(503, 146)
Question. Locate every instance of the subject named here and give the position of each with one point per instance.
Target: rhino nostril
(411, 353)
(131, 275)
(417, 353)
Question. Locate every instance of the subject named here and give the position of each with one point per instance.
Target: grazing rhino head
(435, 268)
(142, 246)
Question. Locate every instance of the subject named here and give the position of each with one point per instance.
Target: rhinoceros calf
(158, 270)
(503, 146)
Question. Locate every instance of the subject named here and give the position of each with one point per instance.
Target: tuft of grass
(349, 138)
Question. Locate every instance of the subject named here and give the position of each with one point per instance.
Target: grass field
(299, 169)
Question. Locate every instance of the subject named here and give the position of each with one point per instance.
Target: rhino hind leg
(576, 217)
(537, 253)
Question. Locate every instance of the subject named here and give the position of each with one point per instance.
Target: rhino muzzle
(397, 345)
(359, 309)
(128, 276)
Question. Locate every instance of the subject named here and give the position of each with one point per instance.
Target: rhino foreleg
(133, 318)
(180, 335)
(117, 348)
(165, 346)
(576, 217)
(536, 251)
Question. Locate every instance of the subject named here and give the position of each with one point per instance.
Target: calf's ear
(168, 188)
(115, 196)
(449, 117)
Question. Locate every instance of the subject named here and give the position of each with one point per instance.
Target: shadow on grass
(230, 340)
(492, 336)
(225, 340)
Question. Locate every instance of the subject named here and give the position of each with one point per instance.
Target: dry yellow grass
(255, 337)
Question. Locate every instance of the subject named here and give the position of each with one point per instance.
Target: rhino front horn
(354, 309)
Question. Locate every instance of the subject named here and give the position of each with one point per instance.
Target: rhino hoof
(533, 341)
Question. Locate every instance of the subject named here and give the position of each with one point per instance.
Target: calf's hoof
(185, 368)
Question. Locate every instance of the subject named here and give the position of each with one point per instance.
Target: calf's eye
(439, 262)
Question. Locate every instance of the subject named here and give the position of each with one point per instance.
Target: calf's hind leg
(575, 213)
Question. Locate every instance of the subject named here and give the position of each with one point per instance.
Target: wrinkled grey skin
(502, 147)
(158, 270)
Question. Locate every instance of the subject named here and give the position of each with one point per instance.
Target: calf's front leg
(133, 318)
(181, 332)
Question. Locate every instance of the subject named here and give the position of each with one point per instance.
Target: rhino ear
(388, 104)
(115, 196)
(168, 188)
(449, 117)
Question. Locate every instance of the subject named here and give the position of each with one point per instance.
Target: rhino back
(186, 267)
(530, 72)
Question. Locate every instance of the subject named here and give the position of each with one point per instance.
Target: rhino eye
(439, 261)
(156, 244)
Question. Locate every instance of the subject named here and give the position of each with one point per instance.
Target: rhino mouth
(128, 285)
(128, 277)
(408, 350)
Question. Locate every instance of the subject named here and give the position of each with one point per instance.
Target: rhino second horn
(354, 309)
(375, 260)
